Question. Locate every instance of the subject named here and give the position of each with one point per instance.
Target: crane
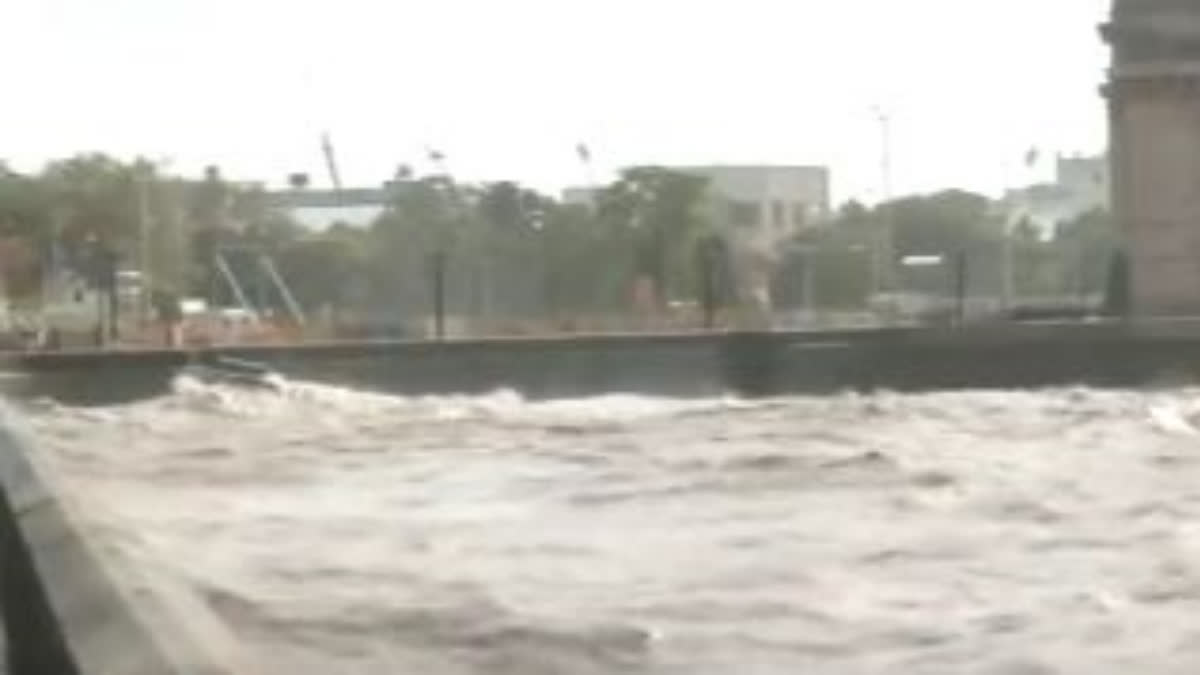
(331, 164)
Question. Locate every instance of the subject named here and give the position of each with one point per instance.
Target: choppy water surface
(340, 532)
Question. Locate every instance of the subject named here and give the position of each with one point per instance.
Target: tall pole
(706, 258)
(459, 213)
(884, 245)
(961, 287)
(114, 298)
(1008, 262)
(144, 254)
(438, 272)
(810, 284)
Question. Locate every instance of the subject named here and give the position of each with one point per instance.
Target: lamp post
(537, 222)
(144, 249)
(884, 271)
(707, 252)
(437, 272)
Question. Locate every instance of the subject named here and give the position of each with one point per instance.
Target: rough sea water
(1015, 533)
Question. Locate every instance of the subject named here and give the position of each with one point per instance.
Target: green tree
(589, 263)
(97, 199)
(506, 206)
(423, 217)
(24, 205)
(1085, 247)
(325, 269)
(940, 224)
(662, 211)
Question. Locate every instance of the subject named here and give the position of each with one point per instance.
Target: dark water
(338, 532)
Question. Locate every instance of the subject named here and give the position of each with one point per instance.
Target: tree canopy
(509, 251)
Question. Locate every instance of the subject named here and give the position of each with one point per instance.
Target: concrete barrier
(73, 607)
(700, 364)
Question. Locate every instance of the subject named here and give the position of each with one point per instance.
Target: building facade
(762, 206)
(759, 209)
(1154, 107)
(580, 196)
(1081, 184)
(318, 210)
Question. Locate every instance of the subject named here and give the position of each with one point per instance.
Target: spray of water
(344, 531)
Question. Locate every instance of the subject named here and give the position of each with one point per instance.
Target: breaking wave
(344, 531)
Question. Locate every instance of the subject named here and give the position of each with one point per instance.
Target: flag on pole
(1032, 157)
(585, 153)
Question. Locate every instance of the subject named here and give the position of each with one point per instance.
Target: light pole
(144, 249)
(1008, 260)
(458, 212)
(884, 271)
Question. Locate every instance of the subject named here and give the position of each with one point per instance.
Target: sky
(507, 89)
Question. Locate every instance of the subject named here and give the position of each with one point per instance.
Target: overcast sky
(507, 88)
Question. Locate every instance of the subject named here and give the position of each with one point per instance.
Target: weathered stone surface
(1154, 102)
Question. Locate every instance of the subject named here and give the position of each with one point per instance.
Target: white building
(759, 208)
(318, 210)
(581, 196)
(762, 206)
(1081, 184)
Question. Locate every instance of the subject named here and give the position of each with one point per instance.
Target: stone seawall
(752, 364)
(70, 606)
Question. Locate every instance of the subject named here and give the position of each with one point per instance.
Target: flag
(436, 156)
(585, 153)
(1032, 157)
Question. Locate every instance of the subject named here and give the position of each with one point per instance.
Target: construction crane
(331, 164)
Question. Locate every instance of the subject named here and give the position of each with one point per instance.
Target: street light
(884, 244)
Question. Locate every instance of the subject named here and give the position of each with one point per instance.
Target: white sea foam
(342, 531)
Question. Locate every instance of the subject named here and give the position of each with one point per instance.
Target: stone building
(1154, 102)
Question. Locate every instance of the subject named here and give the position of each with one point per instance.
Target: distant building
(761, 206)
(580, 196)
(761, 203)
(1081, 185)
(319, 209)
(757, 208)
